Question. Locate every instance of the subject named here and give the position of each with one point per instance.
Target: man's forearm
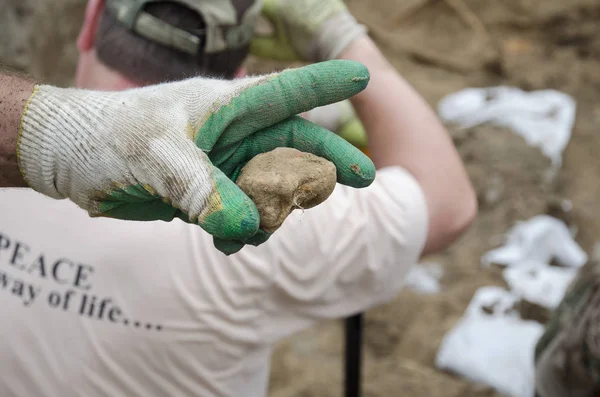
(14, 93)
(399, 123)
(404, 131)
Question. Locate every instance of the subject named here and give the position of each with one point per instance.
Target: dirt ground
(440, 46)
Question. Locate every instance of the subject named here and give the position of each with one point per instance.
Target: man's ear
(93, 12)
(241, 72)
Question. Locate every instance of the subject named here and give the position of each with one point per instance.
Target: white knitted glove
(309, 30)
(172, 150)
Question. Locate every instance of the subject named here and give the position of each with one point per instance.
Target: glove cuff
(49, 136)
(337, 33)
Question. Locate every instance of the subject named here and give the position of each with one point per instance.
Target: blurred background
(441, 47)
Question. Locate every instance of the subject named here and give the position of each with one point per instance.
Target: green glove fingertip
(229, 213)
(227, 247)
(259, 238)
(333, 80)
(361, 173)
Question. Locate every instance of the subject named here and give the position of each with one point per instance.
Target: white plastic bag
(538, 240)
(543, 118)
(492, 345)
(541, 284)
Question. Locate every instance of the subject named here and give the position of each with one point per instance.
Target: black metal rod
(353, 355)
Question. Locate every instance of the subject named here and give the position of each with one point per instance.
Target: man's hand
(174, 150)
(309, 30)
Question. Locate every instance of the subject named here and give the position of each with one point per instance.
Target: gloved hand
(173, 150)
(339, 118)
(309, 30)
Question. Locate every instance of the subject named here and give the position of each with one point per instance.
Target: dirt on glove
(285, 179)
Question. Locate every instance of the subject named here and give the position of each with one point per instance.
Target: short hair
(146, 62)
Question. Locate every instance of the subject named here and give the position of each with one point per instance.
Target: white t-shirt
(102, 307)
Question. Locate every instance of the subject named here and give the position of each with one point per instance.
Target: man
(147, 309)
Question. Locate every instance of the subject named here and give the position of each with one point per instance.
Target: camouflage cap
(229, 24)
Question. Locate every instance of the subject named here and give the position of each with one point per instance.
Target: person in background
(567, 356)
(148, 308)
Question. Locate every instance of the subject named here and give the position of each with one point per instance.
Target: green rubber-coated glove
(173, 150)
(308, 30)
